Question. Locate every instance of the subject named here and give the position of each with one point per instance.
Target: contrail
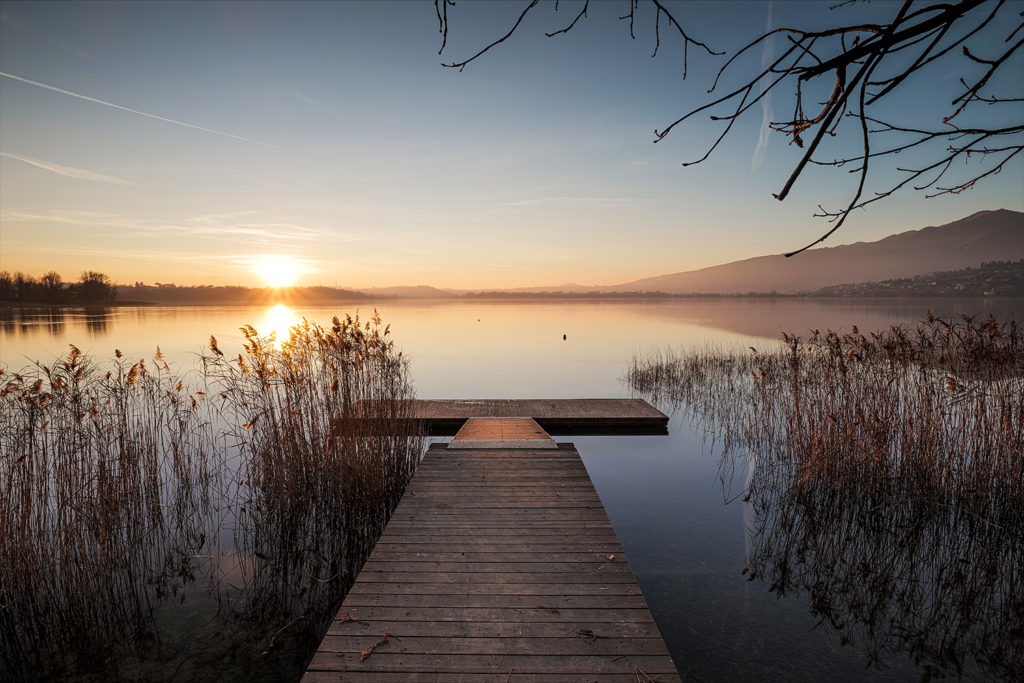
(133, 111)
(767, 55)
(69, 171)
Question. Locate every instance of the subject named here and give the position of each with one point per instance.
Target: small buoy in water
(563, 337)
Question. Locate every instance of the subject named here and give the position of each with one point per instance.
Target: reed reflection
(897, 576)
(884, 479)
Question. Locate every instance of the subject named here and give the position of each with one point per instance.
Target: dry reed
(886, 476)
(256, 483)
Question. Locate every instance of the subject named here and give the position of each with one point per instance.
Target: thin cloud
(767, 114)
(133, 111)
(161, 255)
(67, 171)
(223, 226)
(281, 232)
(78, 218)
(241, 224)
(258, 262)
(310, 100)
(594, 201)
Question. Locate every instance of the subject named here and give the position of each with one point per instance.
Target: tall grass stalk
(937, 410)
(257, 483)
(885, 472)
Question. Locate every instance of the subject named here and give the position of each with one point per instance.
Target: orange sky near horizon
(323, 144)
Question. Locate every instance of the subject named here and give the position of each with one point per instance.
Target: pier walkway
(499, 564)
(556, 416)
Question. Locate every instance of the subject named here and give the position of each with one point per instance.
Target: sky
(243, 143)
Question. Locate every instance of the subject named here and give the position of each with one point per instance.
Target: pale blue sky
(330, 133)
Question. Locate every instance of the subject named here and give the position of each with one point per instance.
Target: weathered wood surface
(555, 416)
(498, 565)
(501, 432)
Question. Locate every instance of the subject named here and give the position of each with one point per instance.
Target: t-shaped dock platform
(499, 564)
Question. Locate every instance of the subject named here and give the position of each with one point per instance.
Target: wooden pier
(562, 416)
(499, 564)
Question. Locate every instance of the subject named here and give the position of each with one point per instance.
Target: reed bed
(253, 486)
(886, 475)
(936, 410)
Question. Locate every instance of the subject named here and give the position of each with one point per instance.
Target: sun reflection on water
(277, 321)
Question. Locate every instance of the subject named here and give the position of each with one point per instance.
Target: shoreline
(554, 297)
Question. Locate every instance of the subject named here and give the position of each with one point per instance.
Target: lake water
(676, 513)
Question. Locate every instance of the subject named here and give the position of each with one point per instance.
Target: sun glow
(277, 270)
(277, 321)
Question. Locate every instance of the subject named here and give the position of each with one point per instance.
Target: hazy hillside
(969, 242)
(995, 278)
(408, 292)
(210, 295)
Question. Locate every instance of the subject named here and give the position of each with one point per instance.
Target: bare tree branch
(845, 58)
(462, 65)
(583, 13)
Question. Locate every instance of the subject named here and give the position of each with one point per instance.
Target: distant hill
(885, 266)
(968, 242)
(996, 278)
(568, 287)
(209, 295)
(409, 292)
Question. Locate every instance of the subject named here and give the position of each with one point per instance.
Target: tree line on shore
(92, 287)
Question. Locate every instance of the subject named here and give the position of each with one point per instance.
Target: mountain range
(981, 237)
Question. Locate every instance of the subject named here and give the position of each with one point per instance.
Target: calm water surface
(674, 506)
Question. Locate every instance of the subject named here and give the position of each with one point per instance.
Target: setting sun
(277, 270)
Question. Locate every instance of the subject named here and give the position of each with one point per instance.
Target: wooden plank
(471, 531)
(494, 629)
(499, 588)
(478, 540)
(552, 601)
(478, 537)
(501, 432)
(543, 408)
(376, 565)
(564, 645)
(469, 578)
(450, 545)
(496, 561)
(568, 616)
(551, 665)
(555, 416)
(481, 677)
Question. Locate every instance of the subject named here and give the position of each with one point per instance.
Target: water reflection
(938, 583)
(95, 320)
(882, 477)
(54, 320)
(277, 321)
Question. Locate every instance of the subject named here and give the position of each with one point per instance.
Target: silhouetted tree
(6, 286)
(52, 286)
(845, 71)
(96, 287)
(25, 287)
